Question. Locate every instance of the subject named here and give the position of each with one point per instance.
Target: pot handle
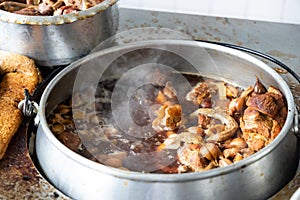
(296, 123)
(29, 108)
(28, 105)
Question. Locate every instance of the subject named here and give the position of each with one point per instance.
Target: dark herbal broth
(172, 129)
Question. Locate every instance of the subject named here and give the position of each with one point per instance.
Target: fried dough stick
(18, 73)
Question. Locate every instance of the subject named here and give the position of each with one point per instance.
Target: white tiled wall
(285, 11)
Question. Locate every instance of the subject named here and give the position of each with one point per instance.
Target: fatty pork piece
(263, 118)
(193, 153)
(168, 118)
(199, 93)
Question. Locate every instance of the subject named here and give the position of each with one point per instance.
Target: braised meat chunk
(263, 118)
(263, 103)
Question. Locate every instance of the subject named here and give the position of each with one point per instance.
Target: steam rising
(135, 69)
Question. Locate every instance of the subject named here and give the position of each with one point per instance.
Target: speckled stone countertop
(19, 176)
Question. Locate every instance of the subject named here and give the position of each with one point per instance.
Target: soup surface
(167, 128)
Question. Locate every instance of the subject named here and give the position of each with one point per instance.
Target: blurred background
(283, 11)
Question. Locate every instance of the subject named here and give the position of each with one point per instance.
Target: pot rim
(148, 177)
(9, 17)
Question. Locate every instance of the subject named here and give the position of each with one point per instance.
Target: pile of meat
(226, 135)
(46, 7)
(214, 124)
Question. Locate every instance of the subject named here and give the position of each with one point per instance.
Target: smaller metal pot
(58, 40)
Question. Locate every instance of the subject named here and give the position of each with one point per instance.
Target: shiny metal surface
(249, 179)
(58, 40)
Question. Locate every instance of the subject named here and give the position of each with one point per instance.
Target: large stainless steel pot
(256, 177)
(58, 40)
